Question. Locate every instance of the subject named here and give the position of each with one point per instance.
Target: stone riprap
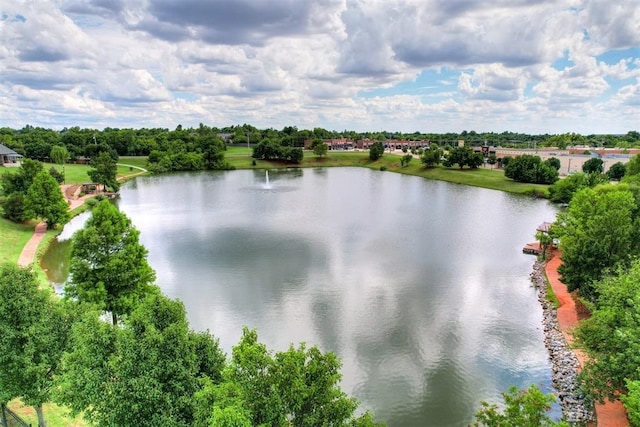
(576, 407)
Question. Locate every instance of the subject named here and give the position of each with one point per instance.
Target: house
(8, 156)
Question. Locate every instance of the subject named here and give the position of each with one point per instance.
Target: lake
(420, 286)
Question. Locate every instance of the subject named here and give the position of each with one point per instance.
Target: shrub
(14, 208)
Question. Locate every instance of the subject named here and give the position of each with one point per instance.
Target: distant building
(8, 156)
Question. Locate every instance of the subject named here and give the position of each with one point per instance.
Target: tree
(563, 190)
(35, 329)
(464, 156)
(13, 208)
(523, 408)
(633, 166)
(406, 159)
(104, 171)
(611, 336)
(431, 156)
(21, 181)
(631, 401)
(108, 264)
(531, 169)
(45, 200)
(297, 387)
(320, 149)
(60, 155)
(616, 171)
(492, 159)
(554, 162)
(144, 373)
(597, 232)
(593, 165)
(376, 150)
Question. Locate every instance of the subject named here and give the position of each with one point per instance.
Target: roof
(6, 151)
(544, 227)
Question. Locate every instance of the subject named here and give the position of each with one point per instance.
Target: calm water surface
(419, 286)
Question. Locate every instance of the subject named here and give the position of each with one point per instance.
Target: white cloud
(306, 63)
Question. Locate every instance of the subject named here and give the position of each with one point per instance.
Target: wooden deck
(532, 248)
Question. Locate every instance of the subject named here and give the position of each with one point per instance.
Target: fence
(12, 420)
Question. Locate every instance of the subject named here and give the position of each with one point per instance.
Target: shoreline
(576, 408)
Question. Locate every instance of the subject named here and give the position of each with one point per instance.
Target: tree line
(37, 142)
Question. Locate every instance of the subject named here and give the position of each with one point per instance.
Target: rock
(576, 408)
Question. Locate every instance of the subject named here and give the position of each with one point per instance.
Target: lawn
(77, 174)
(56, 416)
(13, 237)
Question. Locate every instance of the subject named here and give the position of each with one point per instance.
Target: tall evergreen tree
(108, 264)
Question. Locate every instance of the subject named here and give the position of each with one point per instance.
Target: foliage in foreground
(522, 408)
(34, 328)
(611, 337)
(297, 387)
(598, 231)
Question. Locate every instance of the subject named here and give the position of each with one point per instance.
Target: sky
(432, 66)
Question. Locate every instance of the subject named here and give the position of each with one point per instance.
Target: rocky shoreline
(576, 408)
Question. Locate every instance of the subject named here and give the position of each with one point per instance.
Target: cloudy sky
(534, 66)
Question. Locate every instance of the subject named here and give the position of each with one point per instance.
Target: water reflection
(419, 286)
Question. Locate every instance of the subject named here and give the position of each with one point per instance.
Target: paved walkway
(609, 414)
(28, 253)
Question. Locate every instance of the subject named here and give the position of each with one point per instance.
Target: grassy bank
(494, 179)
(13, 237)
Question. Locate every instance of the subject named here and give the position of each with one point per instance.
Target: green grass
(13, 237)
(77, 174)
(551, 296)
(481, 177)
(56, 416)
(140, 162)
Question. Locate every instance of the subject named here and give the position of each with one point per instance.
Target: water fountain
(267, 185)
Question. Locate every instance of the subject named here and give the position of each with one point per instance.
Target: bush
(631, 402)
(58, 176)
(14, 208)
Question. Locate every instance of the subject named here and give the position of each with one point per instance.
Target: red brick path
(609, 414)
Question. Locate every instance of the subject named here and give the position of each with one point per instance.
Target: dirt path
(609, 414)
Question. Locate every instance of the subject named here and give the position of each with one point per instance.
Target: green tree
(563, 190)
(297, 387)
(104, 171)
(406, 159)
(554, 162)
(13, 208)
(611, 336)
(144, 373)
(597, 232)
(616, 171)
(492, 159)
(593, 165)
(531, 169)
(35, 329)
(320, 149)
(523, 408)
(108, 265)
(633, 166)
(21, 181)
(45, 200)
(376, 150)
(431, 156)
(631, 401)
(60, 155)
